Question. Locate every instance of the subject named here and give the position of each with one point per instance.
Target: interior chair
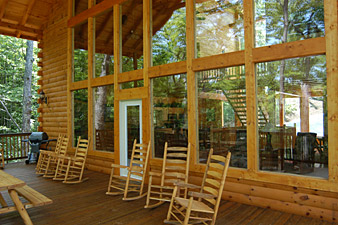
(2, 158)
(70, 168)
(200, 206)
(134, 181)
(48, 167)
(175, 168)
(44, 156)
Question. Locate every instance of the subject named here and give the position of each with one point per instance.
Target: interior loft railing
(13, 145)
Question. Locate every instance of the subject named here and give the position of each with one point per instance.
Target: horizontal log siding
(54, 72)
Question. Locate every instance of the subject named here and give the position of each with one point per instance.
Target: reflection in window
(169, 106)
(293, 133)
(169, 40)
(80, 114)
(104, 44)
(104, 118)
(219, 27)
(132, 35)
(132, 84)
(80, 6)
(277, 23)
(80, 52)
(222, 114)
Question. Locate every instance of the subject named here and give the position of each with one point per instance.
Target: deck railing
(13, 145)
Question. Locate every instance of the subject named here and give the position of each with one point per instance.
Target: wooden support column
(69, 71)
(191, 81)
(250, 80)
(331, 35)
(91, 54)
(117, 70)
(147, 63)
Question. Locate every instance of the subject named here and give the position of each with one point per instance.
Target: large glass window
(169, 40)
(132, 35)
(80, 114)
(104, 44)
(293, 123)
(288, 20)
(219, 27)
(80, 52)
(104, 118)
(222, 114)
(169, 107)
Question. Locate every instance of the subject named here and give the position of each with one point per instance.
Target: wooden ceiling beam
(26, 14)
(3, 8)
(93, 11)
(20, 28)
(14, 35)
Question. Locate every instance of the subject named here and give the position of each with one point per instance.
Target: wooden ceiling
(24, 18)
(27, 18)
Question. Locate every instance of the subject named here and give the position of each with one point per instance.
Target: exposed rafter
(3, 8)
(26, 14)
(20, 28)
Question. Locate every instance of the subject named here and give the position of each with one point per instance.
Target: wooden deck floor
(87, 204)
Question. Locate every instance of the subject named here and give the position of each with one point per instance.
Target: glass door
(130, 129)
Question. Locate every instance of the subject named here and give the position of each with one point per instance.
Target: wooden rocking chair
(134, 182)
(48, 169)
(70, 168)
(175, 168)
(202, 206)
(44, 156)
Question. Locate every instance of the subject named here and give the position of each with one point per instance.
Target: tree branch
(10, 116)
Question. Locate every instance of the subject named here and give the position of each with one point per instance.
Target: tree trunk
(27, 89)
(101, 96)
(282, 66)
(305, 99)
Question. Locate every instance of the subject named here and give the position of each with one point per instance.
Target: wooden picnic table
(9, 183)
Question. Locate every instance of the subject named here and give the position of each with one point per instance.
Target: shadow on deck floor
(87, 204)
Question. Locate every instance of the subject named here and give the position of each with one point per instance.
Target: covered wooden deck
(87, 203)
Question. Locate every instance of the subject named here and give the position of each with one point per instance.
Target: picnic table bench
(16, 188)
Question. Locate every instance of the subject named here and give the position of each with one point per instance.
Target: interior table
(9, 183)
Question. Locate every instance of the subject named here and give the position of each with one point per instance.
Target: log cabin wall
(53, 73)
(307, 196)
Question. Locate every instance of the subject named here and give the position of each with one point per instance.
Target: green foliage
(80, 108)
(12, 68)
(305, 20)
(169, 43)
(80, 57)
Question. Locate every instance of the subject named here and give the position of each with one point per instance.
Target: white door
(130, 128)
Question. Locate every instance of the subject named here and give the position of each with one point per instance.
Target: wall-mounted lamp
(43, 97)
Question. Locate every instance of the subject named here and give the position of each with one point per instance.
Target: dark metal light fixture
(43, 97)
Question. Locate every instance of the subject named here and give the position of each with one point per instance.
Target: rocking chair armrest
(201, 195)
(119, 166)
(151, 173)
(186, 185)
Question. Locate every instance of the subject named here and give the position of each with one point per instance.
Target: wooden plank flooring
(88, 204)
